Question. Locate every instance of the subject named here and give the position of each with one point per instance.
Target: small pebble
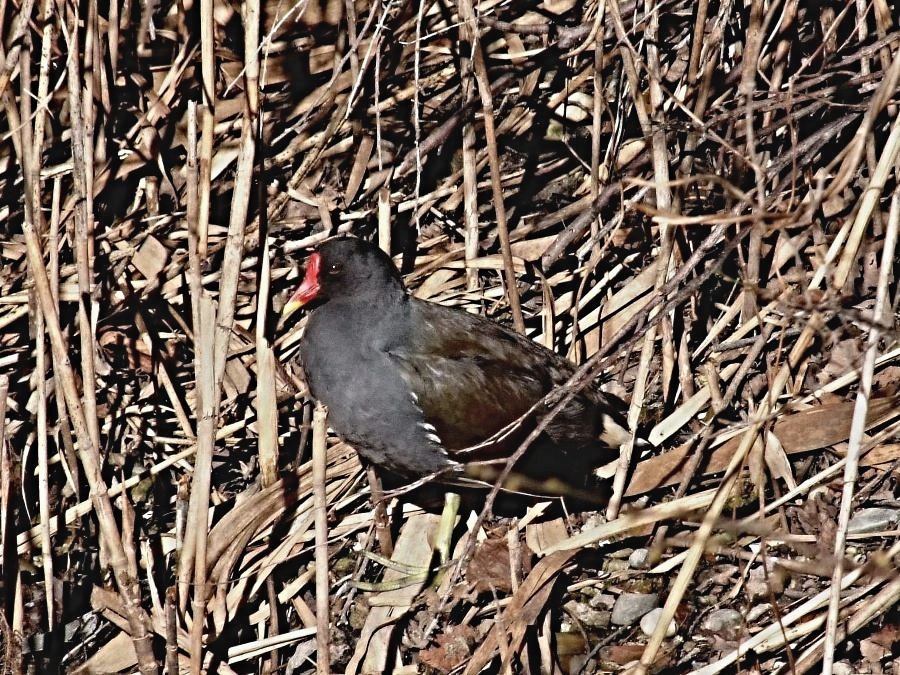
(630, 607)
(621, 553)
(587, 614)
(757, 611)
(873, 520)
(761, 585)
(649, 621)
(613, 566)
(724, 621)
(638, 558)
(602, 601)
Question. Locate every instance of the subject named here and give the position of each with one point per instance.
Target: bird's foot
(415, 574)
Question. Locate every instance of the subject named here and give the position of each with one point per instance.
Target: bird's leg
(413, 574)
(382, 521)
(444, 536)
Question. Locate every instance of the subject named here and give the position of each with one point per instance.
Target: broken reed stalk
(467, 16)
(83, 233)
(31, 163)
(90, 457)
(171, 615)
(469, 156)
(597, 122)
(216, 336)
(186, 547)
(43, 473)
(208, 117)
(5, 481)
(213, 332)
(858, 428)
(320, 510)
(266, 401)
(380, 514)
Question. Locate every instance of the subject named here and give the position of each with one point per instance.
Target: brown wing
(472, 377)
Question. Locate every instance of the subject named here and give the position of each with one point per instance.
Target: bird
(420, 389)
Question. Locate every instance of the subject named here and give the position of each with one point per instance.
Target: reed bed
(697, 202)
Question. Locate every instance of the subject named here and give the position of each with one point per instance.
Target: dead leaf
(887, 381)
(150, 258)
(629, 652)
(116, 655)
(798, 432)
(541, 536)
(845, 356)
(526, 605)
(886, 636)
(532, 249)
(452, 648)
(117, 345)
(873, 653)
(777, 461)
(489, 568)
(435, 283)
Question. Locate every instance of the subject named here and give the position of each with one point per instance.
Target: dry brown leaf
(532, 249)
(489, 568)
(541, 536)
(777, 461)
(151, 258)
(526, 605)
(798, 432)
(623, 654)
(115, 656)
(453, 647)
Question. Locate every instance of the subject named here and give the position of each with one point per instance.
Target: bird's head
(345, 268)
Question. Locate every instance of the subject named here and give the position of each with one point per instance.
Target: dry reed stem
(5, 481)
(851, 468)
(467, 45)
(197, 522)
(43, 474)
(467, 15)
(323, 605)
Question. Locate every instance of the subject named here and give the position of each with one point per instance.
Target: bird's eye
(335, 268)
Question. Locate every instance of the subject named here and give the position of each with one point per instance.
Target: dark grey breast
(346, 360)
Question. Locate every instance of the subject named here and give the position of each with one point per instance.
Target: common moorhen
(412, 384)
